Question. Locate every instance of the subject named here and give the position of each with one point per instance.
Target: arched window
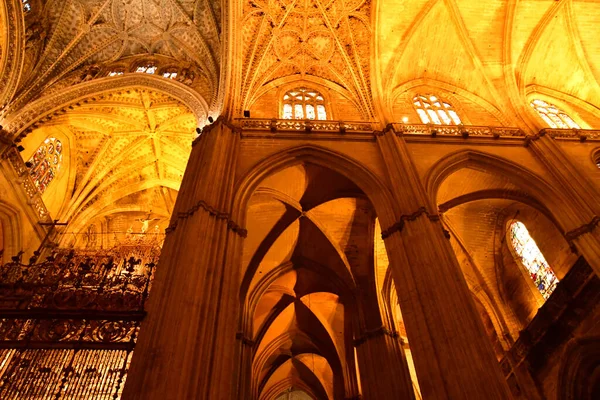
(148, 68)
(26, 5)
(532, 259)
(433, 110)
(115, 73)
(45, 163)
(170, 74)
(304, 103)
(554, 116)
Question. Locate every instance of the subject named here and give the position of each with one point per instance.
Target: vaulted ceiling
(127, 153)
(305, 260)
(492, 54)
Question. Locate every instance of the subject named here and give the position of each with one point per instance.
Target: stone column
(582, 195)
(383, 368)
(187, 344)
(453, 357)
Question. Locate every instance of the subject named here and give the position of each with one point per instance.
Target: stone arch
(364, 181)
(45, 108)
(447, 88)
(535, 187)
(10, 227)
(13, 53)
(579, 372)
(360, 174)
(327, 88)
(570, 104)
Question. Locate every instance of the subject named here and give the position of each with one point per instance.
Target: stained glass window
(532, 259)
(553, 116)
(45, 163)
(304, 103)
(433, 110)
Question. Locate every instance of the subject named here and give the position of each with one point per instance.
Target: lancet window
(532, 259)
(553, 116)
(26, 5)
(433, 110)
(304, 103)
(45, 163)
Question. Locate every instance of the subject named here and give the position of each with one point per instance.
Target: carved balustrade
(457, 130)
(464, 131)
(303, 125)
(576, 134)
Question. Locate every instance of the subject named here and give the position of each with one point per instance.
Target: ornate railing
(577, 134)
(457, 130)
(303, 125)
(464, 131)
(68, 324)
(24, 179)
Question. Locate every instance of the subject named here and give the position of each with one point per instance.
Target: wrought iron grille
(68, 325)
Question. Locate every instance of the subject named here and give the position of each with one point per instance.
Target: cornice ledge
(208, 128)
(398, 226)
(212, 211)
(583, 229)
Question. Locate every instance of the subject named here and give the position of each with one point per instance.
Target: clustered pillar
(579, 192)
(452, 354)
(187, 344)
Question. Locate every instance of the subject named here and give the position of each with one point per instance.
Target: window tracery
(45, 163)
(304, 103)
(433, 110)
(553, 116)
(148, 68)
(532, 259)
(170, 74)
(115, 73)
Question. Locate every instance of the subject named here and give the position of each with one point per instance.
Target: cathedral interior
(299, 199)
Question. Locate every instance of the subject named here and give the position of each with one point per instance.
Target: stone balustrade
(464, 131)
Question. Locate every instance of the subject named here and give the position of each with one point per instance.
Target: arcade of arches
(309, 199)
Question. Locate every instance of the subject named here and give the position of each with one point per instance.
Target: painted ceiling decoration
(325, 39)
(69, 34)
(128, 152)
(493, 54)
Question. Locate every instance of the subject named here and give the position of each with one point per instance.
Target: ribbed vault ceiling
(128, 151)
(304, 258)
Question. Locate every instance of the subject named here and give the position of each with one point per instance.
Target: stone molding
(46, 107)
(381, 331)
(398, 226)
(202, 205)
(583, 229)
(11, 71)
